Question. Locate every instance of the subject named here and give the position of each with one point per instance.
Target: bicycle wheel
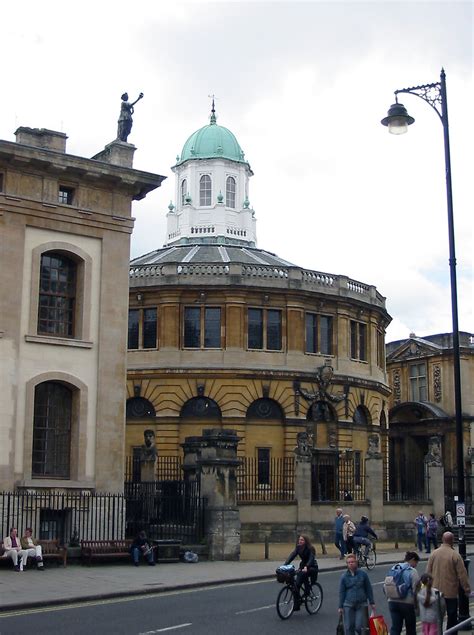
(314, 601)
(371, 559)
(285, 604)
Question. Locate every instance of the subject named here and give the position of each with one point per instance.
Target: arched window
(57, 295)
(52, 430)
(201, 407)
(139, 408)
(205, 190)
(265, 408)
(362, 415)
(230, 192)
(184, 186)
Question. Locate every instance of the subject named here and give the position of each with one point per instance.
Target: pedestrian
(449, 573)
(338, 535)
(420, 525)
(431, 533)
(431, 606)
(348, 531)
(347, 495)
(355, 592)
(402, 610)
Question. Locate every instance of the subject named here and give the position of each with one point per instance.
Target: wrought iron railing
(272, 480)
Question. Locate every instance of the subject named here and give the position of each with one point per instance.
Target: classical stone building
(224, 335)
(420, 372)
(65, 224)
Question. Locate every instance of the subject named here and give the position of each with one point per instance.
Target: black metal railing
(167, 468)
(334, 479)
(272, 480)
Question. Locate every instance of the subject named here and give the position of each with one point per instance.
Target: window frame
(50, 299)
(230, 194)
(358, 333)
(66, 194)
(263, 476)
(418, 383)
(184, 187)
(140, 330)
(323, 338)
(203, 327)
(205, 192)
(264, 326)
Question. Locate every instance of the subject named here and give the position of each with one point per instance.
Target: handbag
(377, 625)
(340, 626)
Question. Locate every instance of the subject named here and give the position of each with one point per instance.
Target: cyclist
(308, 565)
(361, 535)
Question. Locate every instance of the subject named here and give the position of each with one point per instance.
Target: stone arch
(362, 415)
(265, 408)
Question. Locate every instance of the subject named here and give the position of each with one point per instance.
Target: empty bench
(104, 550)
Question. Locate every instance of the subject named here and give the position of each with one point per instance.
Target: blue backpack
(397, 582)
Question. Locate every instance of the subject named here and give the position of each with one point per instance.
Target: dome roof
(212, 142)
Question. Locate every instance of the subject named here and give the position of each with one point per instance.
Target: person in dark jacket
(355, 591)
(141, 546)
(362, 533)
(308, 565)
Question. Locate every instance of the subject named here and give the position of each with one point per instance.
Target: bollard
(396, 537)
(266, 547)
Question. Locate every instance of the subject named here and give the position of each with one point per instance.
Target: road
(231, 609)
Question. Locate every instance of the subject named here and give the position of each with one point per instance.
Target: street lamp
(397, 121)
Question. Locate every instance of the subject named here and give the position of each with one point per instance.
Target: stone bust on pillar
(433, 458)
(373, 451)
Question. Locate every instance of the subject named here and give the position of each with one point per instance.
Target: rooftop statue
(125, 120)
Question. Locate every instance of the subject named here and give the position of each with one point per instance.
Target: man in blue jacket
(355, 591)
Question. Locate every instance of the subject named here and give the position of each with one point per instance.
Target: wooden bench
(51, 550)
(104, 550)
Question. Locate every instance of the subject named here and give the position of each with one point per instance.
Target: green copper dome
(212, 142)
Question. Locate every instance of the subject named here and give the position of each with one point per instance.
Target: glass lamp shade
(397, 119)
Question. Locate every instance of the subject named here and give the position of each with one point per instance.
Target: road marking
(260, 608)
(168, 628)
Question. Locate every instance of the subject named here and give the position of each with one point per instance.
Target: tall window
(184, 186)
(57, 295)
(265, 329)
(230, 192)
(202, 327)
(52, 430)
(263, 466)
(357, 468)
(359, 340)
(418, 387)
(205, 190)
(319, 330)
(142, 328)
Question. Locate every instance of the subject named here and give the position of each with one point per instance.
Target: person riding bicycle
(308, 568)
(361, 535)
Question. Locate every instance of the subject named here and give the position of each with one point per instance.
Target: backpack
(397, 585)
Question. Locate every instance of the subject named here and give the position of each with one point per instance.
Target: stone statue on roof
(125, 120)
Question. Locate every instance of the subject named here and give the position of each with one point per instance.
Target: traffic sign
(460, 509)
(460, 521)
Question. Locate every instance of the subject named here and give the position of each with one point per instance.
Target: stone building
(65, 234)
(422, 411)
(225, 335)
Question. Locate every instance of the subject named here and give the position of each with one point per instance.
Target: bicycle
(369, 560)
(290, 596)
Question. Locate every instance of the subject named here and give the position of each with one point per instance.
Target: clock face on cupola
(212, 190)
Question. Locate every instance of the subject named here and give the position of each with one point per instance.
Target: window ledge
(55, 483)
(58, 341)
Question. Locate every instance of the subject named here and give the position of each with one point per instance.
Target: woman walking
(355, 591)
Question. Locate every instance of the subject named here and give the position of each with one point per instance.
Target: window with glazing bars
(230, 192)
(205, 190)
(202, 327)
(57, 295)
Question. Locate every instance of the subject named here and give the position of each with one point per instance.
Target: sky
(303, 86)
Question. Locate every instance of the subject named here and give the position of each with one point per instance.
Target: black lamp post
(398, 120)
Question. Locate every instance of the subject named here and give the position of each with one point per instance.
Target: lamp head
(397, 119)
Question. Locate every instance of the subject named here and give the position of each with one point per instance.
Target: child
(431, 605)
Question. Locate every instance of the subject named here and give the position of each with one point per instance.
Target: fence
(271, 480)
(172, 509)
(335, 479)
(451, 490)
(167, 468)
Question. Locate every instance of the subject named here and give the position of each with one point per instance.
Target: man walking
(420, 524)
(403, 609)
(447, 568)
(339, 537)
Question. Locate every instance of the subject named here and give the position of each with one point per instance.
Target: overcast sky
(303, 86)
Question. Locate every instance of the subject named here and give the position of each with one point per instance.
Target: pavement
(57, 585)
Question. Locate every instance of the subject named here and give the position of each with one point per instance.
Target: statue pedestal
(147, 471)
(117, 153)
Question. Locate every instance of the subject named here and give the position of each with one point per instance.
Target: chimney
(41, 138)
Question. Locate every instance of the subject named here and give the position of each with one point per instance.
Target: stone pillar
(192, 450)
(435, 486)
(303, 492)
(217, 463)
(374, 487)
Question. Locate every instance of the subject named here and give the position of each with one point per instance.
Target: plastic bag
(377, 625)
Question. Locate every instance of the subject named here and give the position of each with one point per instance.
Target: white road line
(168, 628)
(260, 608)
